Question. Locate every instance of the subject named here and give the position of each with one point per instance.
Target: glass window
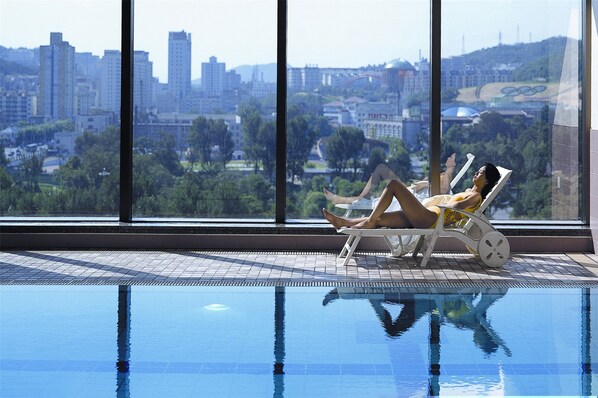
(511, 90)
(204, 103)
(358, 101)
(59, 143)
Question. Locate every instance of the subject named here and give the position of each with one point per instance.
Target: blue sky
(327, 33)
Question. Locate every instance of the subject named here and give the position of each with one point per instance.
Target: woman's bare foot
(337, 199)
(336, 221)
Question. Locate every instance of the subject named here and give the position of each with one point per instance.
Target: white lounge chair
(480, 237)
(366, 204)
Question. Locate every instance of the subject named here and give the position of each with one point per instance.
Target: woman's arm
(470, 200)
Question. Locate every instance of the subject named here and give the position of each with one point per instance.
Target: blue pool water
(157, 341)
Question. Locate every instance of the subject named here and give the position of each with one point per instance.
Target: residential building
(179, 65)
(57, 79)
(213, 77)
(15, 107)
(110, 81)
(143, 84)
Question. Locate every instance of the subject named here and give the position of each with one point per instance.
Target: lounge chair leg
(349, 248)
(428, 253)
(418, 246)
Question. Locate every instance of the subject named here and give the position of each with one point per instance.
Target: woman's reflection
(465, 309)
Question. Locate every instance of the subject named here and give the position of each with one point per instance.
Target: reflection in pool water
(290, 341)
(465, 309)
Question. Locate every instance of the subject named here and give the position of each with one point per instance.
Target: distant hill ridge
(268, 71)
(538, 60)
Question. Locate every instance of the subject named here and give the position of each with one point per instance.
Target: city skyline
(354, 45)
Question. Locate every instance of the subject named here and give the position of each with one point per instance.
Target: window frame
(126, 156)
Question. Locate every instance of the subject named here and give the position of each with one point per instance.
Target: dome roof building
(459, 112)
(395, 71)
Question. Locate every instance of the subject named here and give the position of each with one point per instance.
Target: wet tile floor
(286, 268)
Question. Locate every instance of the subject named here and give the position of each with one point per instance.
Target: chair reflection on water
(464, 309)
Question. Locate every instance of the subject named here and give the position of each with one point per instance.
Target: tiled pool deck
(287, 268)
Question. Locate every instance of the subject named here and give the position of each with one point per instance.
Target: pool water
(159, 341)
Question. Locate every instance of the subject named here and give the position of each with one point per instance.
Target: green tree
(449, 94)
(186, 198)
(300, 140)
(151, 185)
(210, 139)
(377, 156)
(200, 140)
(72, 175)
(344, 146)
(166, 155)
(31, 169)
(267, 144)
(399, 160)
(257, 195)
(3, 159)
(251, 120)
(222, 140)
(313, 204)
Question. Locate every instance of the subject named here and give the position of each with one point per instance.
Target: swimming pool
(183, 341)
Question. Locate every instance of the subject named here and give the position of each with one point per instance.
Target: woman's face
(479, 178)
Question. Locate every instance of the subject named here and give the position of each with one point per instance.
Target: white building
(110, 81)
(86, 97)
(15, 107)
(213, 77)
(56, 79)
(143, 84)
(294, 79)
(179, 65)
(95, 123)
(66, 140)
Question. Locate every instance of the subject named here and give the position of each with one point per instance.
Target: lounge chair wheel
(494, 249)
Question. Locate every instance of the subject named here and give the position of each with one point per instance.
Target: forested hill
(539, 60)
(13, 68)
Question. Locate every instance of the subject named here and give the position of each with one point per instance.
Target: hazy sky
(327, 33)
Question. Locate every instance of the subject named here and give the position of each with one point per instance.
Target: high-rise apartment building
(213, 77)
(179, 64)
(294, 79)
(143, 85)
(56, 79)
(110, 81)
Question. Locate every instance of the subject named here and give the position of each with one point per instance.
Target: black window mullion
(126, 113)
(435, 99)
(281, 112)
(586, 106)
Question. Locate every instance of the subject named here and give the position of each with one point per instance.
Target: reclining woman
(413, 213)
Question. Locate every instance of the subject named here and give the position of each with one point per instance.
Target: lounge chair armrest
(482, 223)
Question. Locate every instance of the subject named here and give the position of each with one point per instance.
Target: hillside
(267, 70)
(12, 68)
(539, 60)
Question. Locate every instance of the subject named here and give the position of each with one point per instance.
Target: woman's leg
(395, 219)
(381, 172)
(416, 214)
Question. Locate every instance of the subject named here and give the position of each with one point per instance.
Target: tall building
(110, 81)
(143, 85)
(179, 64)
(213, 77)
(312, 77)
(56, 79)
(294, 79)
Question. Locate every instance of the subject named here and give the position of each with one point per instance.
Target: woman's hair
(492, 176)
